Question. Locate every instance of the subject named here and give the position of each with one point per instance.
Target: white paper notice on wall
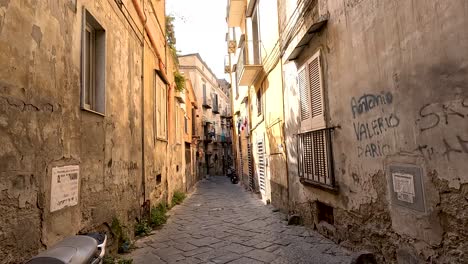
(403, 185)
(64, 188)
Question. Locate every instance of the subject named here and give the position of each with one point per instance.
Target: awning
(313, 29)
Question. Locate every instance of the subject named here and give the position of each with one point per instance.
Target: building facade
(255, 70)
(374, 104)
(191, 120)
(215, 104)
(87, 110)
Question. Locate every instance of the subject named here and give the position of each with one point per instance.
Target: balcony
(226, 139)
(249, 68)
(235, 12)
(225, 113)
(179, 96)
(206, 103)
(209, 134)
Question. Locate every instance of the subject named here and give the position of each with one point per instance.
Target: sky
(200, 27)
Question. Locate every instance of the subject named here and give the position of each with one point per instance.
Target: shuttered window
(310, 83)
(160, 107)
(314, 140)
(261, 164)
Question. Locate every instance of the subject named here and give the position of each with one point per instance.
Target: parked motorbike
(231, 173)
(78, 249)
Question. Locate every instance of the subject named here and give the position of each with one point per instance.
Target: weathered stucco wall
(42, 125)
(407, 59)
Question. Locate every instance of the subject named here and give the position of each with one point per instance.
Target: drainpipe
(143, 162)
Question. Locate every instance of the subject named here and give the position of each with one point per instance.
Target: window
(93, 65)
(215, 103)
(314, 141)
(193, 121)
(256, 38)
(205, 99)
(185, 125)
(259, 101)
(177, 123)
(160, 106)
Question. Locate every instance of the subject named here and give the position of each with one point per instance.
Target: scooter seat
(71, 250)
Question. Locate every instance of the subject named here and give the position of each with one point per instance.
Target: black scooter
(231, 173)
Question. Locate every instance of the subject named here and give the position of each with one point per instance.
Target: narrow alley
(222, 223)
(344, 125)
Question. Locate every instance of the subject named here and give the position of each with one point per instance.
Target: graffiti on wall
(433, 115)
(367, 102)
(369, 133)
(444, 116)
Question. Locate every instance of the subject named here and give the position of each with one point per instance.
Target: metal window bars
(315, 158)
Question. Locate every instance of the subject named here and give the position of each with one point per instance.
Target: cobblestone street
(222, 223)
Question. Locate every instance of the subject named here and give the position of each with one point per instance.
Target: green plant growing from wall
(123, 242)
(158, 215)
(179, 79)
(178, 198)
(142, 228)
(170, 37)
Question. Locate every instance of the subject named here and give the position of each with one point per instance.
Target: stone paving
(222, 223)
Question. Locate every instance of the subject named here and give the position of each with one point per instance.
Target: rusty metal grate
(315, 157)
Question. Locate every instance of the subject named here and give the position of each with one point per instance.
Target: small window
(177, 123)
(185, 124)
(259, 101)
(193, 122)
(93, 65)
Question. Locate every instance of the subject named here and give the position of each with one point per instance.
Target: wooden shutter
(316, 92)
(311, 95)
(261, 168)
(306, 117)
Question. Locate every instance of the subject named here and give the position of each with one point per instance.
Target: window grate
(315, 157)
(261, 164)
(251, 170)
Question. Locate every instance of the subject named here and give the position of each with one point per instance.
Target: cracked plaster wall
(412, 54)
(42, 126)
